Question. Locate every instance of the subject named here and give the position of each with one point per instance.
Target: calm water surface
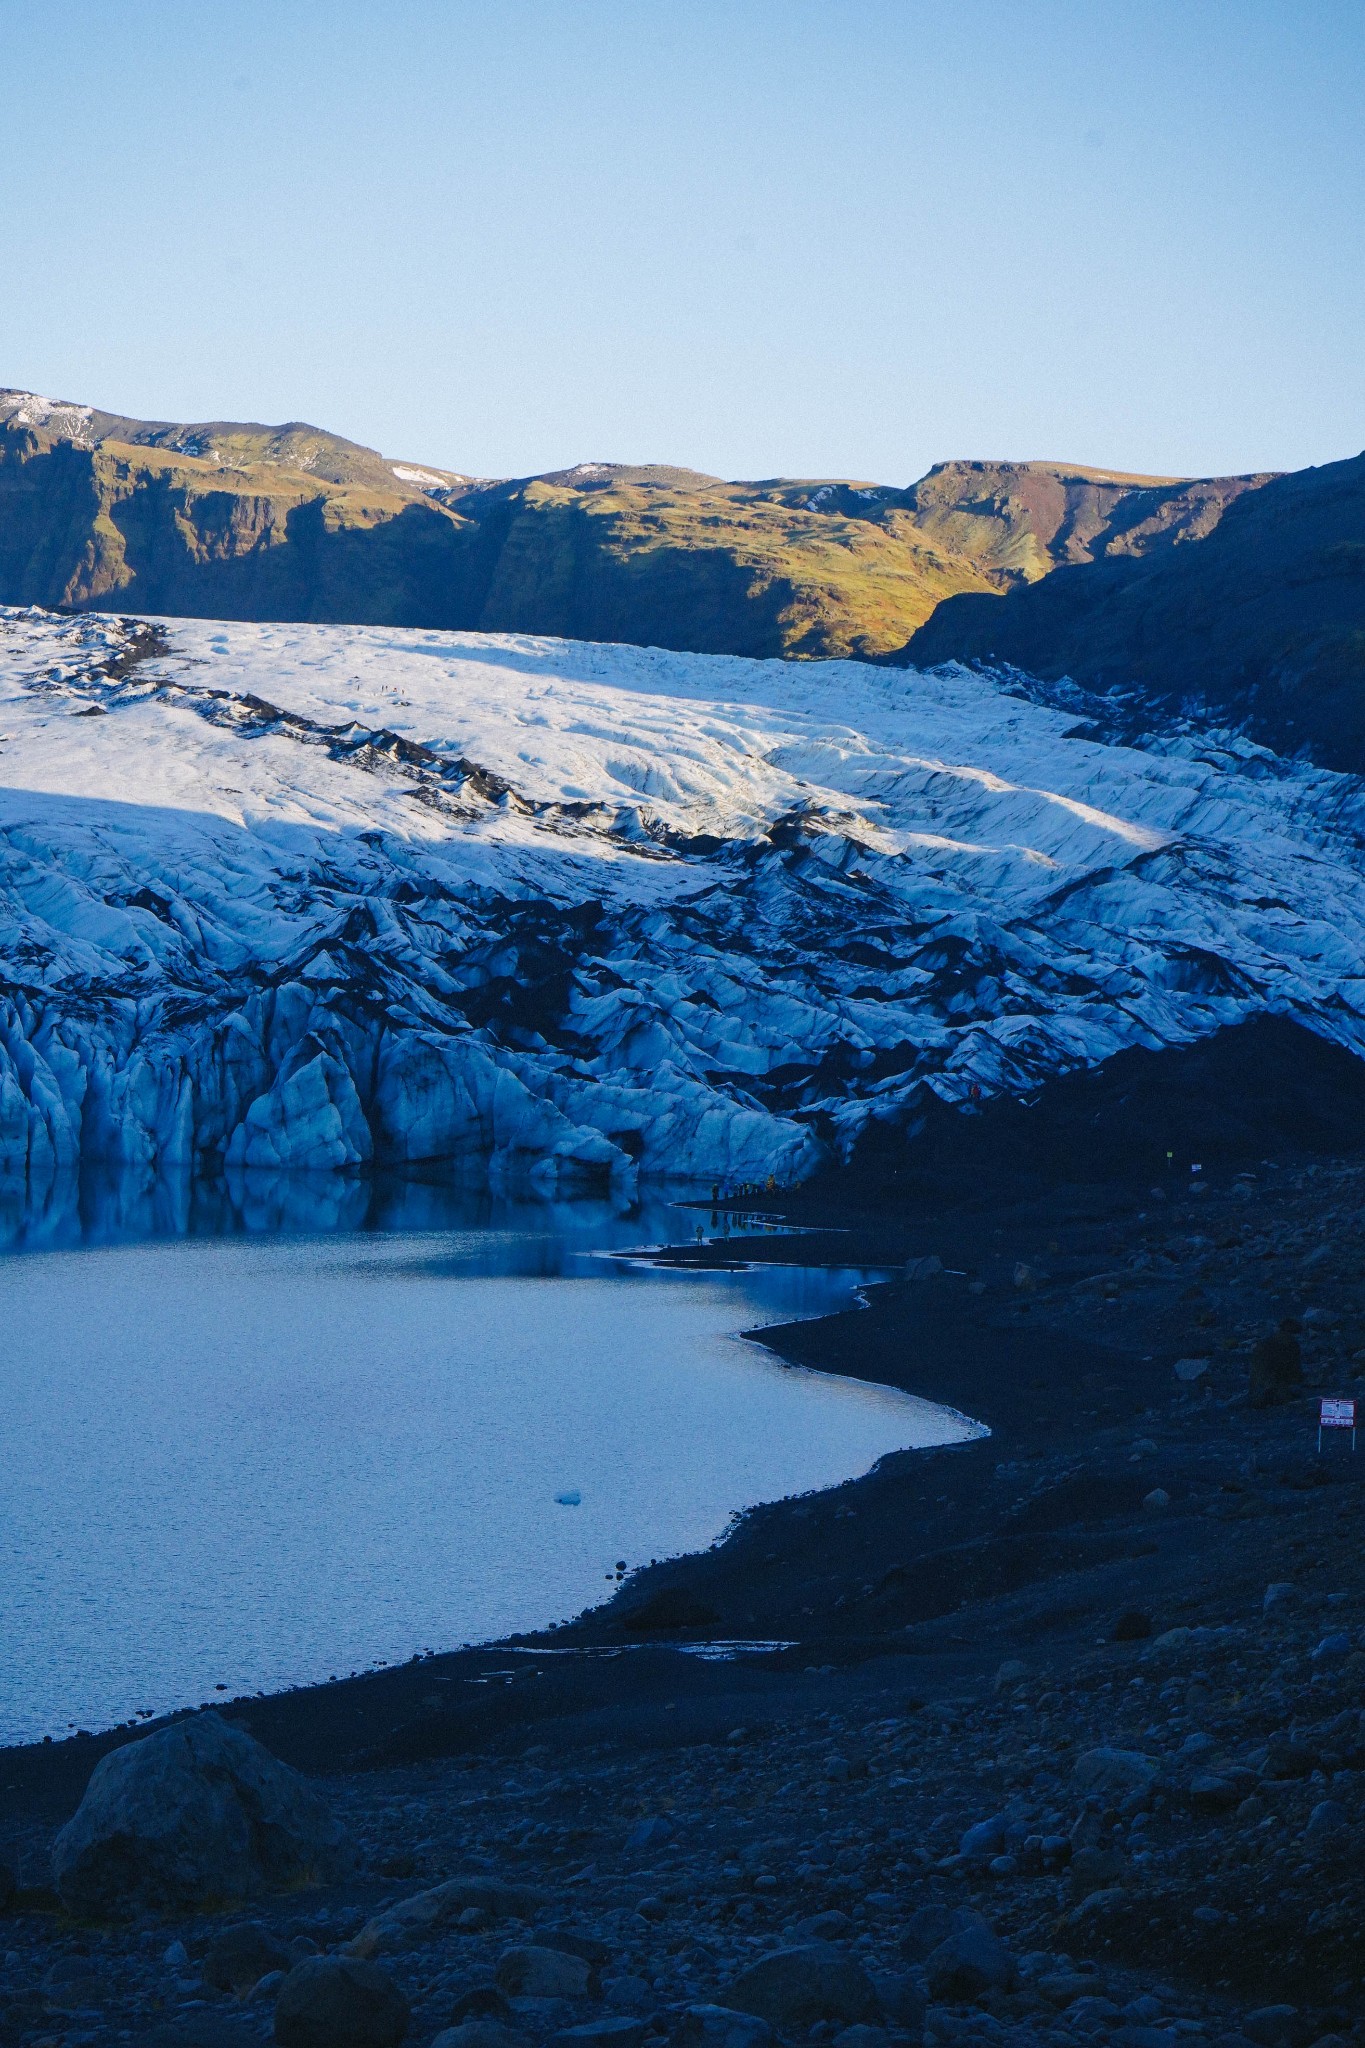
(251, 1463)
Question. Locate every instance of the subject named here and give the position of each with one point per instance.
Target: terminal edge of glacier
(293, 898)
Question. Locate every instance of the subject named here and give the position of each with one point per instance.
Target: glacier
(294, 897)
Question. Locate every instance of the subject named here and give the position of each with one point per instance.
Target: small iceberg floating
(570, 1498)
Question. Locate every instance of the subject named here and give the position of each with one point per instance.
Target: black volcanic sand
(959, 1627)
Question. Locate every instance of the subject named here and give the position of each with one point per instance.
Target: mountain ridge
(249, 521)
(1263, 622)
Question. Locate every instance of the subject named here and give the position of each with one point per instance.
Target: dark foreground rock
(196, 1814)
(340, 2002)
(798, 1987)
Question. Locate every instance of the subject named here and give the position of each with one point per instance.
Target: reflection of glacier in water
(106, 1203)
(251, 1463)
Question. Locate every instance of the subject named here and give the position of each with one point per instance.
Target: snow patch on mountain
(301, 896)
(28, 409)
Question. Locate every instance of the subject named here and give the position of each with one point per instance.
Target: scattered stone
(413, 1919)
(862, 2036)
(240, 1956)
(1011, 1673)
(1211, 1794)
(1332, 1647)
(1280, 1595)
(720, 2026)
(1156, 1500)
(928, 1927)
(615, 2032)
(1093, 1906)
(1191, 1369)
(1115, 1771)
(796, 1987)
(533, 1972)
(198, 1812)
(574, 1942)
(201, 2030)
(1132, 1626)
(649, 1834)
(339, 2002)
(630, 1994)
(967, 1964)
(73, 1984)
(830, 1926)
(1286, 1758)
(1064, 1987)
(986, 1838)
(481, 2034)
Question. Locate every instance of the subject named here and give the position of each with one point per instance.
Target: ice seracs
(299, 897)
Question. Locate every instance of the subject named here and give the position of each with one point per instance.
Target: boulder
(481, 2001)
(1212, 1793)
(194, 1815)
(968, 1964)
(1286, 1758)
(412, 1920)
(1274, 2026)
(719, 2026)
(987, 1838)
(339, 2002)
(795, 1987)
(630, 1994)
(533, 1972)
(826, 1926)
(1115, 1771)
(240, 1956)
(929, 1926)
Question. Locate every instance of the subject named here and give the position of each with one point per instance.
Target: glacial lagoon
(238, 1462)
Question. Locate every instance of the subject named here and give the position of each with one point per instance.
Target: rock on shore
(194, 1815)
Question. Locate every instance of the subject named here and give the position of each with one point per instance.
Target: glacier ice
(299, 897)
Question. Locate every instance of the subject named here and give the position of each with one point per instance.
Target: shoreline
(1121, 1640)
(977, 1348)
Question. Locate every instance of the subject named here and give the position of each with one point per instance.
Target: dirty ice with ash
(320, 896)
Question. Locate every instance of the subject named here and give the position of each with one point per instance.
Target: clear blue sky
(809, 237)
